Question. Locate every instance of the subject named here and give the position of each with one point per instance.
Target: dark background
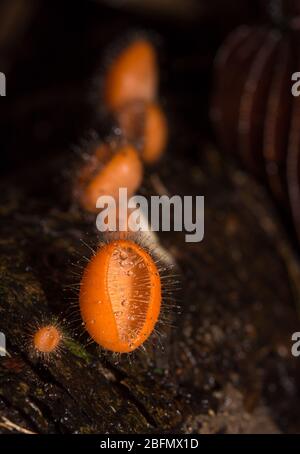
(51, 53)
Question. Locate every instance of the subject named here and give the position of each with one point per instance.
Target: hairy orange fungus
(123, 170)
(120, 296)
(133, 75)
(145, 123)
(46, 339)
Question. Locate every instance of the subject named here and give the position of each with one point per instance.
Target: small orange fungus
(47, 339)
(120, 296)
(123, 170)
(133, 75)
(145, 122)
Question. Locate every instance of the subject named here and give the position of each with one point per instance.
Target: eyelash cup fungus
(146, 125)
(130, 95)
(123, 168)
(120, 296)
(46, 340)
(132, 75)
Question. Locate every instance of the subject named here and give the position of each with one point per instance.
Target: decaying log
(226, 366)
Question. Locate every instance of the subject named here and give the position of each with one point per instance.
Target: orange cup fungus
(129, 91)
(133, 75)
(122, 169)
(120, 296)
(46, 339)
(145, 123)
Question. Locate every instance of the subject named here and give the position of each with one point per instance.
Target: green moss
(78, 350)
